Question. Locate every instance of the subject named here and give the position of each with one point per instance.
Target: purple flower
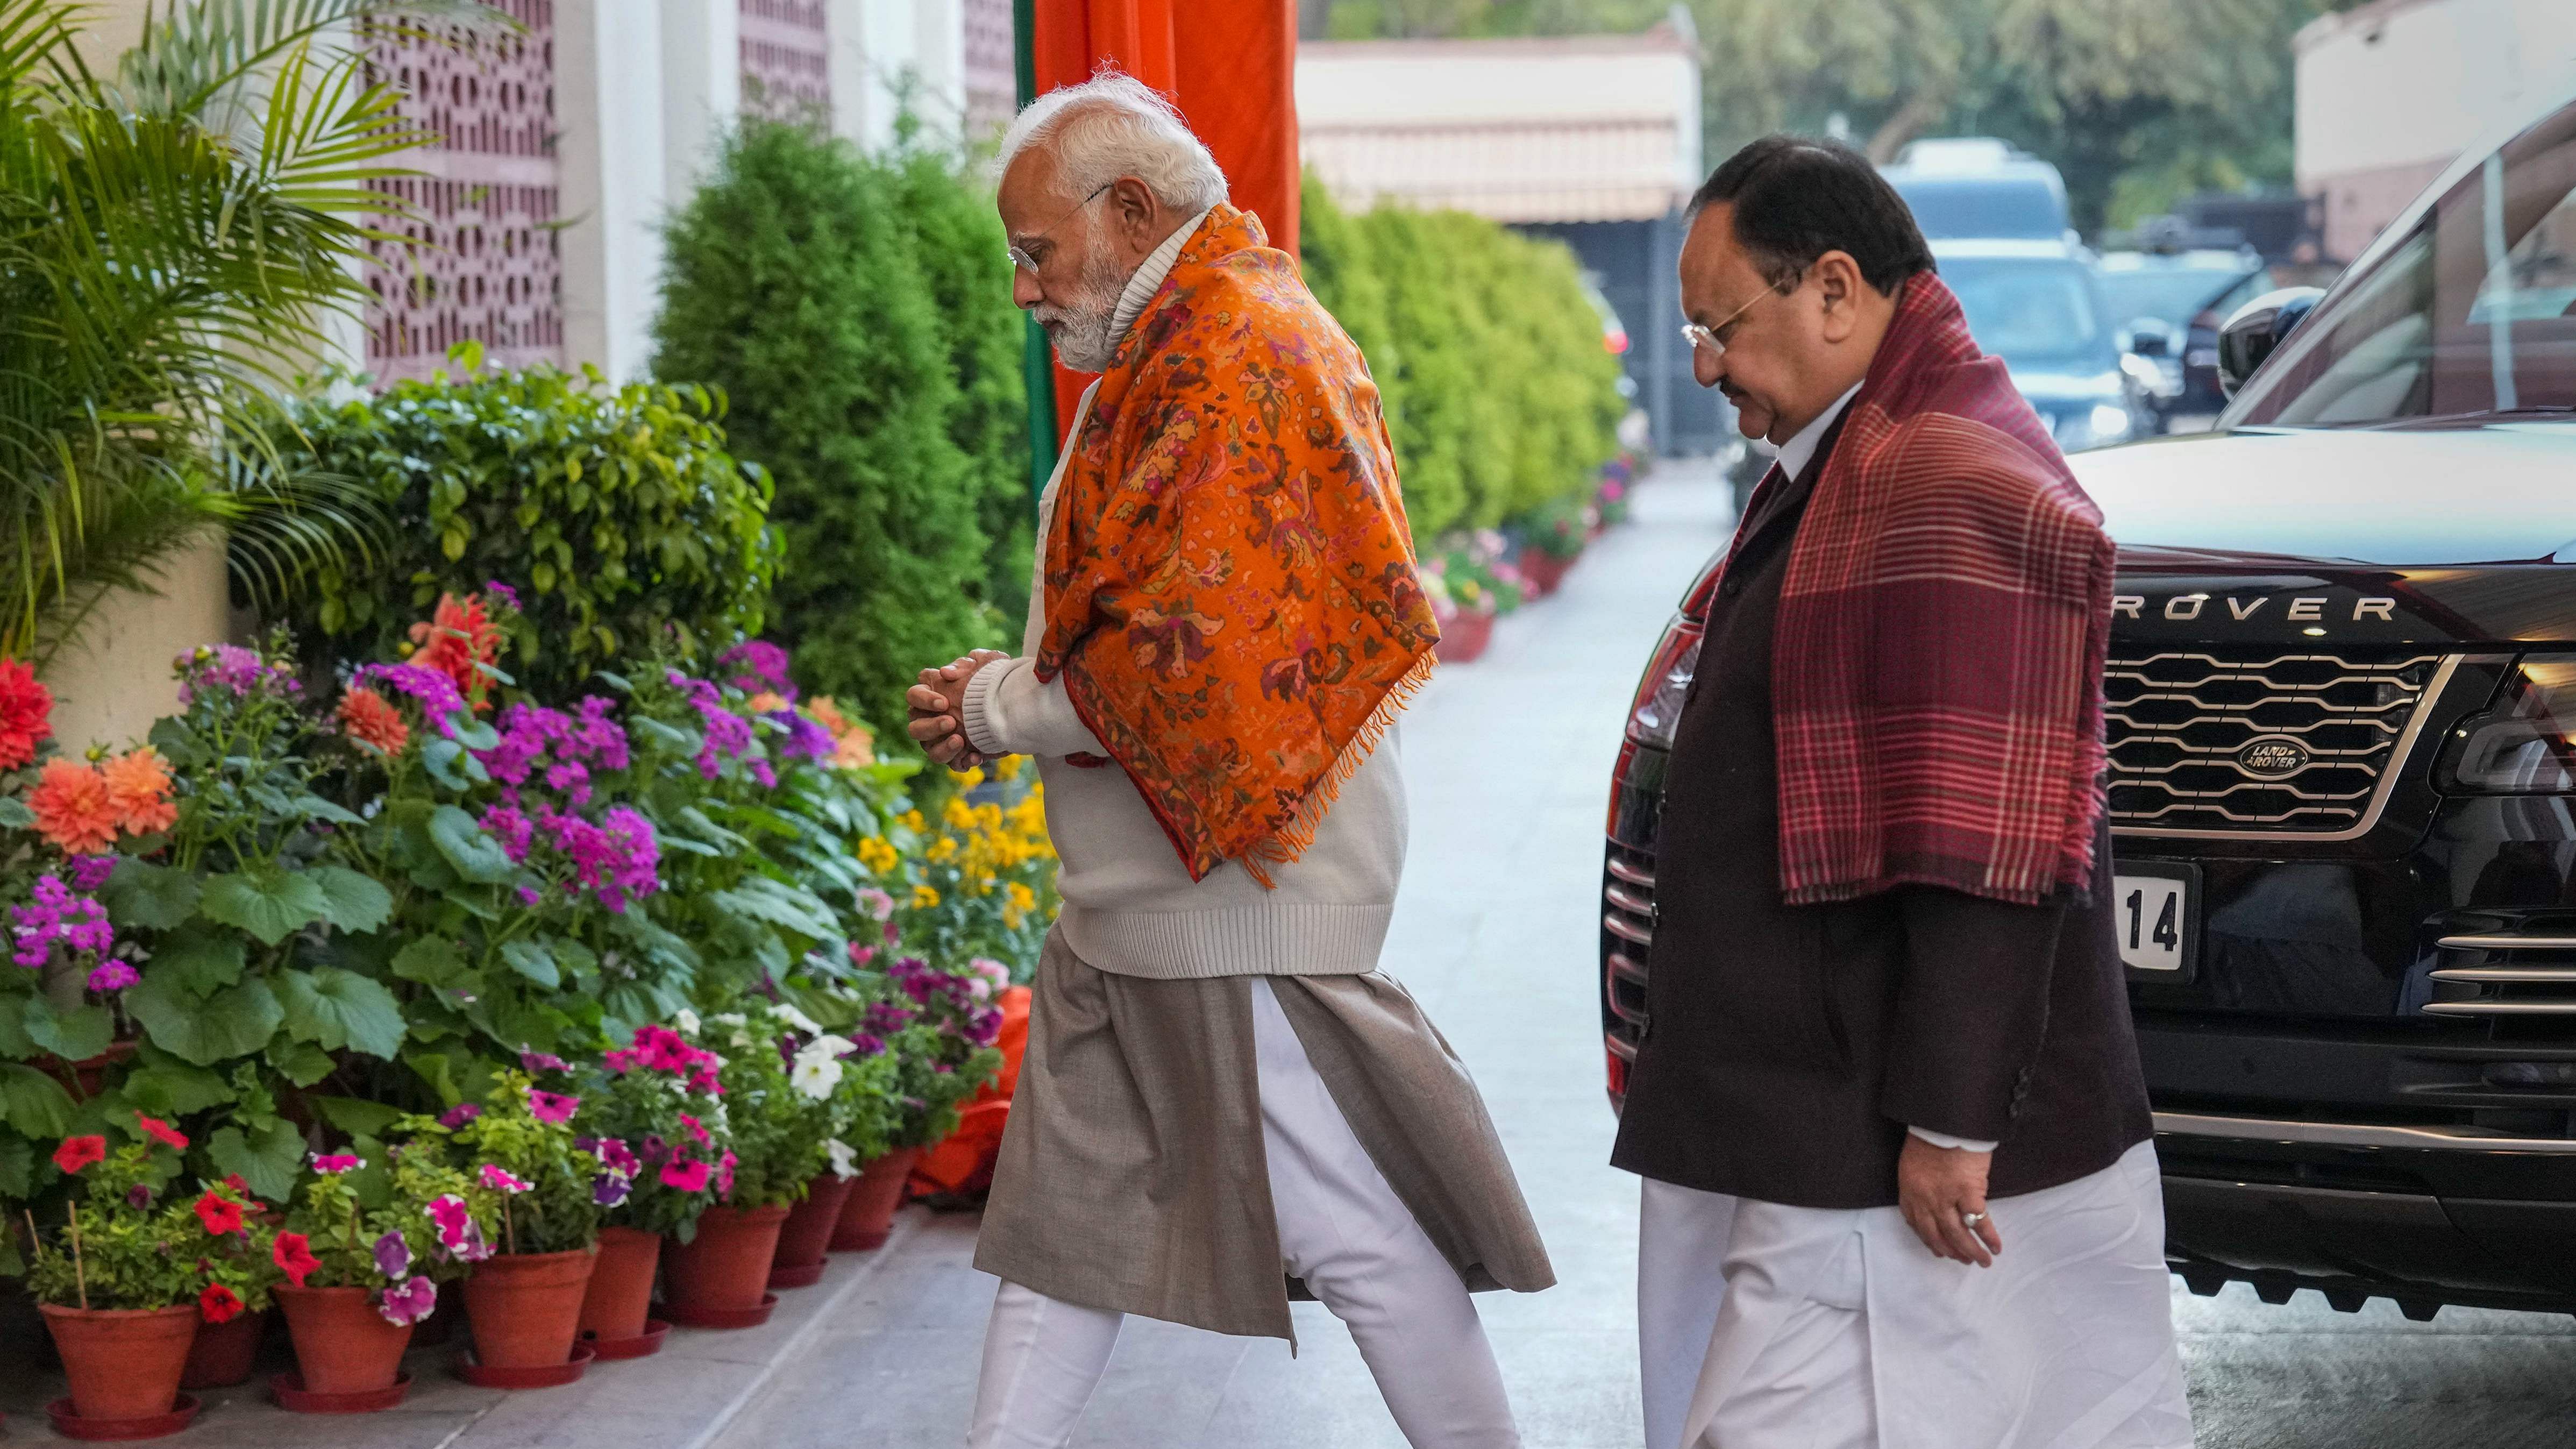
(114, 976)
(728, 735)
(138, 1197)
(507, 824)
(410, 1303)
(458, 1115)
(609, 1189)
(434, 692)
(552, 1108)
(542, 1062)
(393, 1256)
(764, 666)
(89, 872)
(508, 597)
(869, 1044)
(58, 917)
(803, 736)
(614, 1154)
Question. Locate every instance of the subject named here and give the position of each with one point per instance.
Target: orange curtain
(1231, 67)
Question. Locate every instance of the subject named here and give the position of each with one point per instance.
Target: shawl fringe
(1293, 839)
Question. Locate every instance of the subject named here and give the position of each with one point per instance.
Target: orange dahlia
(74, 807)
(26, 714)
(461, 642)
(138, 786)
(372, 720)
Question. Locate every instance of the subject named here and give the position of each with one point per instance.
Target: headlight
(2522, 746)
(2110, 422)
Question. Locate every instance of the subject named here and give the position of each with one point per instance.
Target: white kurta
(1831, 1329)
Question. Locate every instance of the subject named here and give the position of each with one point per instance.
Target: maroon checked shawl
(1937, 663)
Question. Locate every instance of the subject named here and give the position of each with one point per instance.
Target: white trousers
(1763, 1326)
(1342, 1229)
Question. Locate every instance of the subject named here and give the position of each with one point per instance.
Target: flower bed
(338, 989)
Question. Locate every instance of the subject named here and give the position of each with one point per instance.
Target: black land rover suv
(2342, 709)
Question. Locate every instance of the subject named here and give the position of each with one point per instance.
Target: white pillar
(701, 87)
(609, 96)
(875, 44)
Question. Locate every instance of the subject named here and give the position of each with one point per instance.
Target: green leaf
(271, 904)
(301, 1062)
(433, 961)
(234, 1022)
(75, 1035)
(314, 807)
(15, 1044)
(356, 902)
(269, 1157)
(143, 894)
(202, 961)
(14, 814)
(338, 1009)
(437, 1072)
(174, 1089)
(444, 760)
(532, 961)
(475, 854)
(357, 1116)
(765, 900)
(17, 1169)
(31, 1102)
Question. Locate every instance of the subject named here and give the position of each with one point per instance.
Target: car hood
(2406, 499)
(2046, 384)
(2461, 535)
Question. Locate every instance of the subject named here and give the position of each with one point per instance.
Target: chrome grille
(2267, 744)
(1628, 930)
(2504, 973)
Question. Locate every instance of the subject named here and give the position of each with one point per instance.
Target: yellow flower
(969, 779)
(957, 814)
(911, 820)
(1007, 767)
(878, 856)
(1022, 898)
(924, 897)
(943, 850)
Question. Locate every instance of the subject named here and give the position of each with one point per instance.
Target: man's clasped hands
(938, 705)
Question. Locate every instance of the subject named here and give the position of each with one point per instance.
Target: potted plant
(642, 1111)
(535, 1190)
(119, 1283)
(937, 1027)
(854, 1098)
(232, 1312)
(1553, 536)
(719, 1278)
(361, 1255)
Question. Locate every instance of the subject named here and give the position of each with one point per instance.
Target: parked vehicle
(2170, 303)
(2040, 307)
(2343, 743)
(1976, 186)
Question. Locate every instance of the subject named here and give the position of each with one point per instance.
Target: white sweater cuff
(980, 725)
(1944, 1139)
(1008, 712)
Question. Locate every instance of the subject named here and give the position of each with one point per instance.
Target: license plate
(2156, 912)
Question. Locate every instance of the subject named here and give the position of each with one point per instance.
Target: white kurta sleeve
(1009, 712)
(1944, 1139)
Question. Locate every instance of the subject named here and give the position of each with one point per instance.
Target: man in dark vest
(1900, 1184)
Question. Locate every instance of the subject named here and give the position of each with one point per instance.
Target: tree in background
(2137, 101)
(796, 284)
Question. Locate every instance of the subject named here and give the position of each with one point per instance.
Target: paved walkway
(1509, 764)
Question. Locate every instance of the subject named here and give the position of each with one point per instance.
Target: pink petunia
(333, 1164)
(687, 1176)
(552, 1107)
(499, 1180)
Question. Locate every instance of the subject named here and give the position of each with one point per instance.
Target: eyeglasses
(1019, 254)
(1699, 336)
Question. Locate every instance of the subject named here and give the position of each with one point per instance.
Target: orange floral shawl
(1230, 586)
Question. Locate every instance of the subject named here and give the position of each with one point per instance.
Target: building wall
(2389, 93)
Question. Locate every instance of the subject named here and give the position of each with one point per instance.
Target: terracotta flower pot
(807, 1235)
(525, 1308)
(342, 1344)
(620, 1298)
(725, 1268)
(123, 1363)
(1544, 573)
(88, 1077)
(867, 1219)
(1464, 639)
(225, 1353)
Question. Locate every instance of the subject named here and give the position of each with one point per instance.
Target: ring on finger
(1970, 1220)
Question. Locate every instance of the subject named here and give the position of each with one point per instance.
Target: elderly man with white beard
(1224, 1100)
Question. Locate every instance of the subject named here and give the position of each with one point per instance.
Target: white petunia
(829, 1046)
(687, 1021)
(815, 1076)
(797, 1019)
(845, 1160)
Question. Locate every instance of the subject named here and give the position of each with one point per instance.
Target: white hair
(1113, 126)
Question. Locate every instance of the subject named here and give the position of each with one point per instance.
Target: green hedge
(1498, 391)
(616, 515)
(846, 304)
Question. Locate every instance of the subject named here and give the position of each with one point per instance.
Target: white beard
(1080, 332)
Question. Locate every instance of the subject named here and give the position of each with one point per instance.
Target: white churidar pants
(1342, 1229)
(1763, 1326)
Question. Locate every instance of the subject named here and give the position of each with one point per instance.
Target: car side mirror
(2257, 331)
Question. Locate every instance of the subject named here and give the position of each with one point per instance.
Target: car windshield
(2031, 312)
(2472, 311)
(2172, 294)
(1983, 206)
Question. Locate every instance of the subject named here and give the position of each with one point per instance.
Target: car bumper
(2426, 1216)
